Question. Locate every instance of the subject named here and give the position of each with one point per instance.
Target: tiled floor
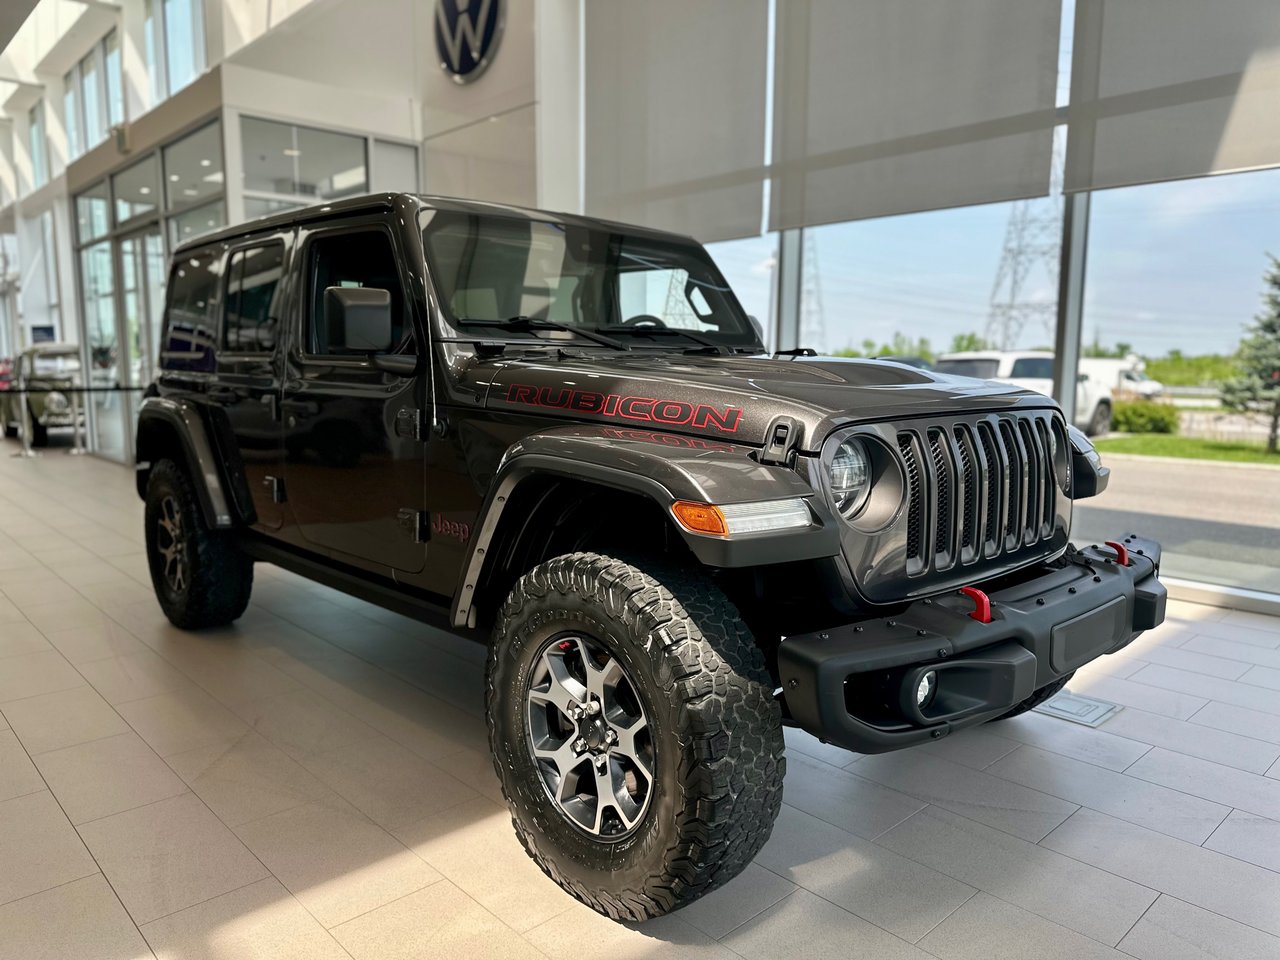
(314, 783)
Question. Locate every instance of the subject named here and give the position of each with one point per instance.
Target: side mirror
(759, 327)
(358, 319)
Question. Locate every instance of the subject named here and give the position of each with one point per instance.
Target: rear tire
(39, 433)
(1046, 692)
(711, 728)
(201, 577)
(1100, 425)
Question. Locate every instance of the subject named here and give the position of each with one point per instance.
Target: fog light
(926, 689)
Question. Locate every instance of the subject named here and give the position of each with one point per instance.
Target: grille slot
(978, 489)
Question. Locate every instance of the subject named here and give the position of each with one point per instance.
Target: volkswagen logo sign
(467, 36)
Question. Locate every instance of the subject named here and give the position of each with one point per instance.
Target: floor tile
(1130, 694)
(169, 855)
(181, 720)
(19, 637)
(798, 741)
(805, 925)
(55, 720)
(1208, 688)
(133, 676)
(725, 909)
(896, 894)
(18, 775)
(391, 785)
(1214, 781)
(977, 747)
(333, 859)
(75, 921)
(1268, 677)
(474, 846)
(246, 779)
(1173, 930)
(1169, 811)
(1248, 837)
(583, 934)
(1098, 747)
(1240, 720)
(1192, 660)
(38, 847)
(102, 777)
(261, 921)
(70, 611)
(32, 674)
(438, 921)
(1249, 653)
(475, 769)
(301, 723)
(989, 929)
(1073, 894)
(1015, 809)
(85, 644)
(856, 804)
(1194, 739)
(1206, 878)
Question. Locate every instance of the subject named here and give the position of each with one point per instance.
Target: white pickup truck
(1033, 370)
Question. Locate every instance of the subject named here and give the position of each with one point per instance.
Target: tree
(1257, 386)
(965, 342)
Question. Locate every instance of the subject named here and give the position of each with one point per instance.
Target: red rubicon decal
(650, 409)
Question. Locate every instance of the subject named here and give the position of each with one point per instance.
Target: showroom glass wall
(125, 226)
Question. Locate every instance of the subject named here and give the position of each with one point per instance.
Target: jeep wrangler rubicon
(565, 437)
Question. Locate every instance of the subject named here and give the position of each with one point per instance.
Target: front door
(249, 364)
(143, 272)
(354, 470)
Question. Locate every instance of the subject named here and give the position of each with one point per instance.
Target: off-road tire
(39, 433)
(717, 730)
(1037, 698)
(219, 575)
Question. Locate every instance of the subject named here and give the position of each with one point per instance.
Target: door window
(362, 258)
(189, 335)
(1032, 368)
(249, 323)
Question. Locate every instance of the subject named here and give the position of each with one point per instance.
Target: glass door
(104, 349)
(142, 280)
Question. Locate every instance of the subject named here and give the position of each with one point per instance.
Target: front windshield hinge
(781, 441)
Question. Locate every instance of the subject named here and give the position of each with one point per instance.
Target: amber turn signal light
(700, 517)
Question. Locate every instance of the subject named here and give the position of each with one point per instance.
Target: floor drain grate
(1078, 709)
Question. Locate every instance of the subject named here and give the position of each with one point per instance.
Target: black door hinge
(409, 424)
(414, 523)
(781, 440)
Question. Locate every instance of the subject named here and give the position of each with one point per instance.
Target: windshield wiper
(522, 322)
(638, 331)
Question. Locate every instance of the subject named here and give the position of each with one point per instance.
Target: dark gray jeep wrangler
(565, 437)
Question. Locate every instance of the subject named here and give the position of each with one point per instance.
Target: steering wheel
(644, 320)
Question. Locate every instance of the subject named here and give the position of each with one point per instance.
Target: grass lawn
(1193, 448)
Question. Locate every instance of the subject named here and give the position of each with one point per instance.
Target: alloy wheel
(171, 543)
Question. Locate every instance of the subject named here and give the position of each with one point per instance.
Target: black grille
(979, 489)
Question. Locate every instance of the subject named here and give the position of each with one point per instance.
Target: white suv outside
(1033, 370)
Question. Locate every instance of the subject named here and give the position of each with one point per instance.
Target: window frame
(302, 328)
(224, 293)
(158, 64)
(38, 133)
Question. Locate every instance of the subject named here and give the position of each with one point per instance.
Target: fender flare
(184, 418)
(718, 473)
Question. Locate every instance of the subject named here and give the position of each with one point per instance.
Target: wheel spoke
(560, 688)
(602, 682)
(626, 746)
(561, 755)
(612, 794)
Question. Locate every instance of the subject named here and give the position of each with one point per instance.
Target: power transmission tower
(1026, 285)
(678, 311)
(813, 324)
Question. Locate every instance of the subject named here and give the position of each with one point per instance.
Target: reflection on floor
(315, 783)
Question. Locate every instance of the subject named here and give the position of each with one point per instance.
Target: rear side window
(1033, 368)
(248, 319)
(189, 321)
(361, 258)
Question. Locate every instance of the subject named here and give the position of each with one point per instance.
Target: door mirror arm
(401, 364)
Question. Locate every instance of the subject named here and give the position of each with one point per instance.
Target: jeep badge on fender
(564, 438)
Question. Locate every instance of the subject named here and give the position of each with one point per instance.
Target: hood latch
(781, 440)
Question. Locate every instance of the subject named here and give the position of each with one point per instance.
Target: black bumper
(855, 685)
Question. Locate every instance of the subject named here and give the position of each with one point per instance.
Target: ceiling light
(205, 163)
(144, 190)
(291, 152)
(174, 177)
(190, 192)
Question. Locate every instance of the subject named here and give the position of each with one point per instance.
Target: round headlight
(850, 476)
(56, 402)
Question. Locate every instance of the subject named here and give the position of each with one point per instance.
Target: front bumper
(855, 685)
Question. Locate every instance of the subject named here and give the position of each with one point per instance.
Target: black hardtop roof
(388, 201)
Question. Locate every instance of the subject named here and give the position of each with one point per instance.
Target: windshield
(54, 364)
(493, 267)
(982, 369)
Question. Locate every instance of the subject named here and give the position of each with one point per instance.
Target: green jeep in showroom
(47, 369)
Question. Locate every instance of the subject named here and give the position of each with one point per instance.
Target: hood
(736, 398)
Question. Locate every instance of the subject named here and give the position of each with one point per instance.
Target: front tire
(201, 578)
(1100, 425)
(634, 730)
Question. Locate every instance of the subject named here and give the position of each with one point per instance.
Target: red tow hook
(981, 604)
(1122, 552)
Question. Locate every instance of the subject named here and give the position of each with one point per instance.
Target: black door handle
(222, 395)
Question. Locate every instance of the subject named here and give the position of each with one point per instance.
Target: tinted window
(359, 259)
(983, 369)
(249, 324)
(1033, 368)
(189, 331)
